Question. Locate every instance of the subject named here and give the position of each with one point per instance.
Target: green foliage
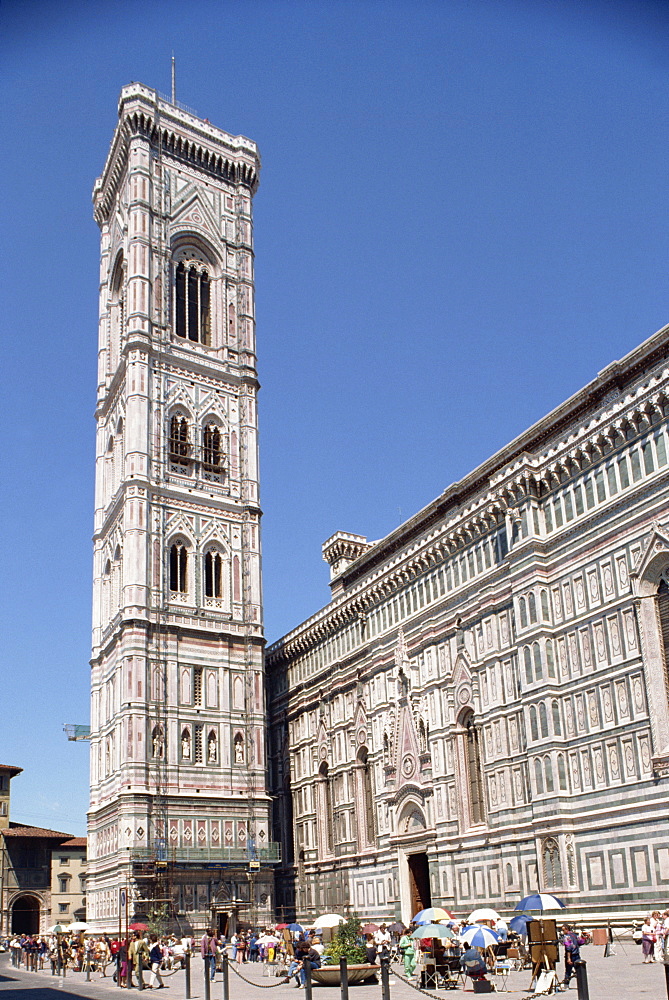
(158, 914)
(345, 944)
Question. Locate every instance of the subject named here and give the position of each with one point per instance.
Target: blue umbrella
(295, 928)
(519, 923)
(479, 936)
(540, 901)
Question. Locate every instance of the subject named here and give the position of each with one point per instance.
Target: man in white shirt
(382, 941)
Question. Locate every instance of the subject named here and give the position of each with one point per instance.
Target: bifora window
(178, 568)
(213, 564)
(192, 302)
(211, 448)
(179, 444)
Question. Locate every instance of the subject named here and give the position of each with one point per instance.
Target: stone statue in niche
(185, 745)
(158, 744)
(239, 750)
(212, 750)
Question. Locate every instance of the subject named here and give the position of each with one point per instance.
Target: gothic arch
(411, 818)
(186, 245)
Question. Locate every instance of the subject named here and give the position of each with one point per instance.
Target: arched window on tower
(474, 770)
(179, 568)
(212, 456)
(213, 574)
(116, 313)
(192, 301)
(179, 444)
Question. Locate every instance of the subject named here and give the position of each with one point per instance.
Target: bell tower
(179, 812)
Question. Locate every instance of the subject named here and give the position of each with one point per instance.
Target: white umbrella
(77, 925)
(328, 920)
(55, 929)
(267, 939)
(485, 913)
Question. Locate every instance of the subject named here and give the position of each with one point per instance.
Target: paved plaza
(619, 977)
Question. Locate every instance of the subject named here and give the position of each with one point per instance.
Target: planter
(328, 975)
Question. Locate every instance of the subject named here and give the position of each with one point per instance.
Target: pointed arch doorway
(413, 842)
(419, 882)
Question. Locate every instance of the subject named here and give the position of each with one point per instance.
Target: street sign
(254, 866)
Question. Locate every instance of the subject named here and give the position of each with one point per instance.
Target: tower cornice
(182, 135)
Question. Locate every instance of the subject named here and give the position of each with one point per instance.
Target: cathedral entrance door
(419, 882)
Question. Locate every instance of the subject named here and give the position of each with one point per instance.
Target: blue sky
(462, 218)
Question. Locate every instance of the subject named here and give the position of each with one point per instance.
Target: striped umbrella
(540, 901)
(479, 936)
(431, 915)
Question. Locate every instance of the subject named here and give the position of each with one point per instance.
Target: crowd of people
(655, 936)
(145, 952)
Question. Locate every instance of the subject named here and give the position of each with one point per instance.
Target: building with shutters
(482, 708)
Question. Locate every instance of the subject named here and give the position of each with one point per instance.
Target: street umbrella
(519, 923)
(296, 928)
(56, 929)
(479, 936)
(267, 939)
(369, 928)
(77, 925)
(540, 901)
(138, 927)
(397, 928)
(433, 931)
(328, 920)
(483, 914)
(431, 915)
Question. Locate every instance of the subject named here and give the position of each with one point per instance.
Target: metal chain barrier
(419, 989)
(262, 986)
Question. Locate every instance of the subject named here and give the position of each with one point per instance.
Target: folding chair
(501, 973)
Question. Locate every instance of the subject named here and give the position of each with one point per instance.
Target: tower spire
(174, 80)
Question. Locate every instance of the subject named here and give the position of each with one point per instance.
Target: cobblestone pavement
(620, 977)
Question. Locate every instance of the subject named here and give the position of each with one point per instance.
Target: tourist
(647, 941)
(407, 950)
(155, 959)
(208, 951)
(572, 952)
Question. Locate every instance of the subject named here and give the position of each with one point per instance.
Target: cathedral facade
(482, 709)
(179, 823)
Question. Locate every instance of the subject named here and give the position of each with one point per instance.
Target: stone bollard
(582, 979)
(187, 960)
(343, 977)
(307, 979)
(226, 974)
(385, 977)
